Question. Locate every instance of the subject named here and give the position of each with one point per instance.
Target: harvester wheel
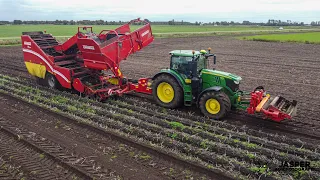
(41, 81)
(215, 105)
(52, 81)
(167, 92)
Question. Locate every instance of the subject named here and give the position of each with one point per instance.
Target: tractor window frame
(183, 68)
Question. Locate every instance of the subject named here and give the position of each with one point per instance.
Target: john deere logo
(216, 79)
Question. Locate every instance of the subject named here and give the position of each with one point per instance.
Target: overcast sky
(158, 10)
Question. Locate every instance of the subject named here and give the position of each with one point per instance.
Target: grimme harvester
(82, 61)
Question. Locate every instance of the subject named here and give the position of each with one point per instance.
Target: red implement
(277, 109)
(81, 61)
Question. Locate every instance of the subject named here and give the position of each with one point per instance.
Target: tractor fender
(171, 74)
(213, 88)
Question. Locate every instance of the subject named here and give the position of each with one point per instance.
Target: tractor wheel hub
(213, 106)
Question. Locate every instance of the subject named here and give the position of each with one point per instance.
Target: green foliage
(209, 166)
(72, 108)
(251, 156)
(283, 154)
(41, 156)
(236, 140)
(171, 170)
(164, 111)
(307, 38)
(90, 110)
(173, 135)
(70, 30)
(60, 99)
(250, 145)
(176, 125)
(298, 173)
(260, 170)
(221, 137)
(131, 154)
(203, 144)
(144, 156)
(315, 164)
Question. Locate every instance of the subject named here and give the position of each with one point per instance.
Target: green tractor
(189, 81)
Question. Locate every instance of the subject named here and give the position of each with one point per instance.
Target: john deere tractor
(189, 81)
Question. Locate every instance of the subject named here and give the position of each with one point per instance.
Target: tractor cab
(189, 62)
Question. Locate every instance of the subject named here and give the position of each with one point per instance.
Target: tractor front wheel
(215, 105)
(51, 81)
(167, 92)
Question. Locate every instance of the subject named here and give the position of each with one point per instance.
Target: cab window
(180, 64)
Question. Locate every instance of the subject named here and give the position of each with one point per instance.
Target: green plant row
(107, 122)
(192, 130)
(70, 108)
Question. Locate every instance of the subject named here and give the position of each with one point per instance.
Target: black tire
(178, 92)
(222, 98)
(41, 81)
(51, 81)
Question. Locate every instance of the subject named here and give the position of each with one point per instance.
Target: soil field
(238, 146)
(39, 144)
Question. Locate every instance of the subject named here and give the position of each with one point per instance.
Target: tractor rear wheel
(51, 81)
(215, 105)
(167, 92)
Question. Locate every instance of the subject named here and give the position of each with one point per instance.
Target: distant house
(280, 28)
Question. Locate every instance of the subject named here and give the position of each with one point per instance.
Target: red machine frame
(93, 53)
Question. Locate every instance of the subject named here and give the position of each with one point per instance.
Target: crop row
(206, 131)
(111, 124)
(272, 141)
(171, 134)
(243, 131)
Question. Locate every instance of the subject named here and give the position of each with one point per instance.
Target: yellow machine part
(37, 70)
(165, 92)
(213, 106)
(113, 81)
(188, 81)
(264, 100)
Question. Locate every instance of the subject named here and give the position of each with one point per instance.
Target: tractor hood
(222, 74)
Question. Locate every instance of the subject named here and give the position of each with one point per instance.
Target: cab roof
(185, 53)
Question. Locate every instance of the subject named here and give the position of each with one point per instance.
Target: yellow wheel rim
(213, 106)
(165, 92)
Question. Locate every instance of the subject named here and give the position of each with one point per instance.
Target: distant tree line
(271, 22)
(315, 23)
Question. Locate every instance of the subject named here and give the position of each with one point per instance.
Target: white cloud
(174, 9)
(176, 6)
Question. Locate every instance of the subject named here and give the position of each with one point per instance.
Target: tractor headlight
(236, 82)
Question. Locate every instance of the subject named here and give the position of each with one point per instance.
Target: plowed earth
(236, 146)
